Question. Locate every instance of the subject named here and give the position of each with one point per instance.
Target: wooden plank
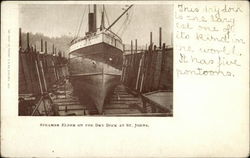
(143, 114)
(66, 101)
(124, 96)
(72, 113)
(116, 107)
(124, 99)
(67, 104)
(72, 107)
(121, 111)
(120, 93)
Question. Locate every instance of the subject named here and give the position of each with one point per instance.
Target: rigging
(80, 24)
(119, 17)
(125, 23)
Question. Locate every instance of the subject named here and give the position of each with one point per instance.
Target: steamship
(95, 63)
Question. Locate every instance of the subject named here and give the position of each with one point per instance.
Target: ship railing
(106, 32)
(115, 35)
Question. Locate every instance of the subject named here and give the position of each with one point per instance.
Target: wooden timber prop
(149, 70)
(39, 71)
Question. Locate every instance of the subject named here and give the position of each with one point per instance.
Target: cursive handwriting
(207, 40)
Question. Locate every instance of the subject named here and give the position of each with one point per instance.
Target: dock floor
(67, 103)
(121, 102)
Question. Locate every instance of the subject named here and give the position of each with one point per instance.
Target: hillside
(60, 43)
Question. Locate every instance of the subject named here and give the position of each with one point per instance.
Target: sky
(55, 20)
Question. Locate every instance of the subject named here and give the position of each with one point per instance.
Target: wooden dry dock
(146, 87)
(66, 103)
(121, 102)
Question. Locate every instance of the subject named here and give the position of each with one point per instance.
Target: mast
(119, 17)
(102, 20)
(94, 20)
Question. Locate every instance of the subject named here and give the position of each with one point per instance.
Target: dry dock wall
(39, 70)
(149, 70)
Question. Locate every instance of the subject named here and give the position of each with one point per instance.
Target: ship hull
(94, 72)
(93, 90)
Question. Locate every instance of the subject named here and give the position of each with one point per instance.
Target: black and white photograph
(127, 79)
(95, 60)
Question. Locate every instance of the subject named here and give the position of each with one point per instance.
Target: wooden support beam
(151, 40)
(130, 73)
(160, 37)
(43, 76)
(41, 45)
(45, 47)
(28, 41)
(131, 47)
(154, 47)
(53, 49)
(135, 45)
(134, 55)
(163, 58)
(38, 76)
(20, 38)
(139, 72)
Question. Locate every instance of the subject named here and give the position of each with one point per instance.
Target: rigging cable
(128, 22)
(77, 27)
(123, 24)
(81, 23)
(106, 15)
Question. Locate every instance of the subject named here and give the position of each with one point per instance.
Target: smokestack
(92, 20)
